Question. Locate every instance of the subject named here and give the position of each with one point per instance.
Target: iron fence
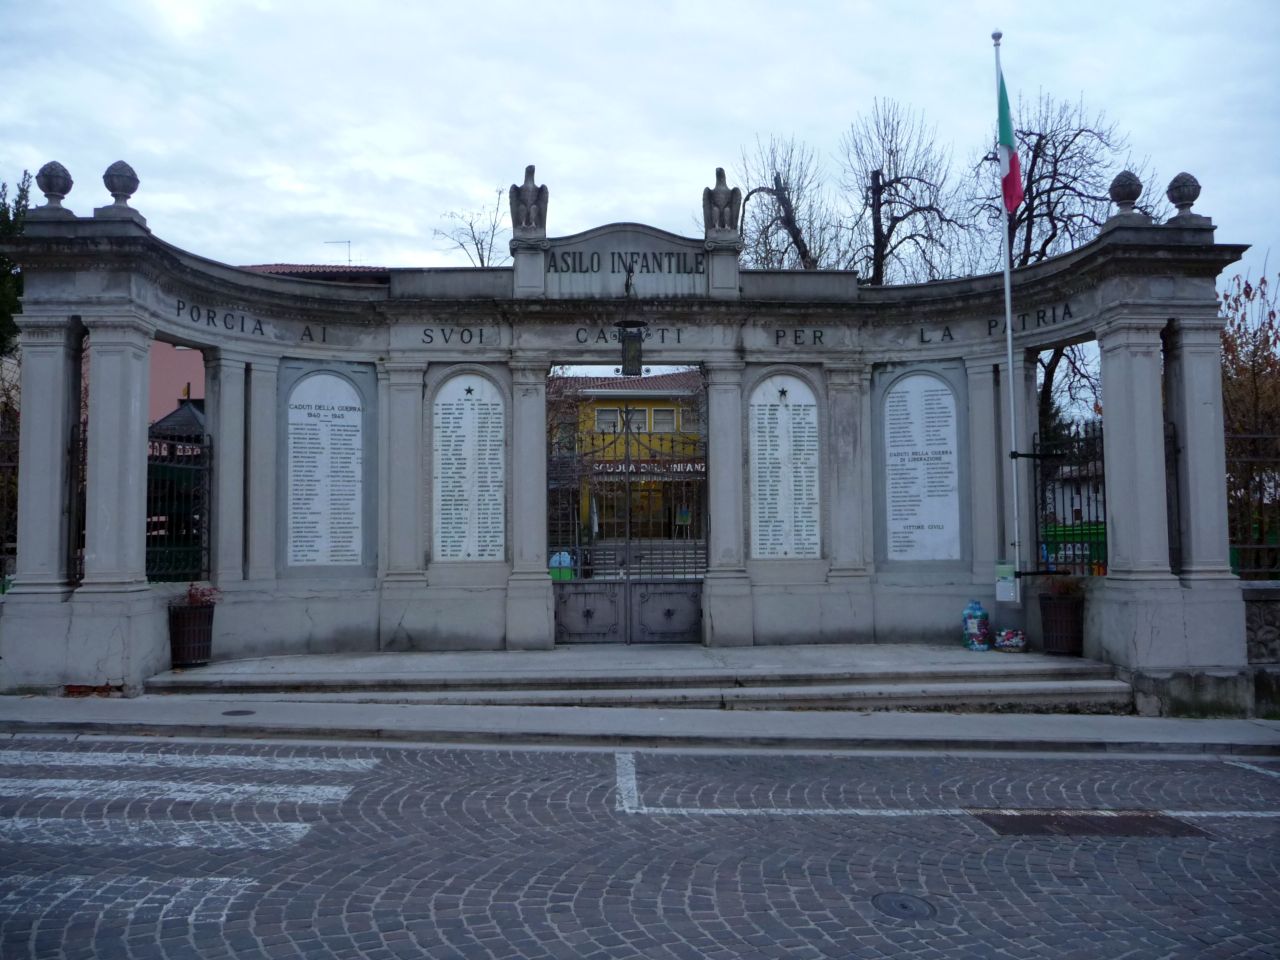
(77, 476)
(178, 488)
(8, 505)
(1253, 505)
(1071, 501)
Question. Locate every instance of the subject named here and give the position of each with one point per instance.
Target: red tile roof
(323, 271)
(682, 381)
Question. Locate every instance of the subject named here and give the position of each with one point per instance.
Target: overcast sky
(263, 128)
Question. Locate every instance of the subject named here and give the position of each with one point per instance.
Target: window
(607, 420)
(664, 420)
(637, 420)
(691, 419)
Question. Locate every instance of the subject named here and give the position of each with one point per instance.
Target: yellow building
(627, 459)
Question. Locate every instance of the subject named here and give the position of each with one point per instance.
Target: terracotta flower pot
(190, 635)
(1062, 624)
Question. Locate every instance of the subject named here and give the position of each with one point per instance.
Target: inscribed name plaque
(784, 470)
(468, 431)
(326, 471)
(921, 482)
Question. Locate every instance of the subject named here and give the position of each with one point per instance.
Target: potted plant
(191, 625)
(1062, 615)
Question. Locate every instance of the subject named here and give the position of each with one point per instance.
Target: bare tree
(792, 223)
(479, 233)
(905, 227)
(1069, 156)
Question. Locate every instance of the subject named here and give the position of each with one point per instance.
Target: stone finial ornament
(121, 182)
(1126, 188)
(54, 181)
(720, 206)
(529, 207)
(1184, 190)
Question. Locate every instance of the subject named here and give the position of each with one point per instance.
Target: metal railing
(8, 505)
(178, 488)
(1071, 501)
(1253, 505)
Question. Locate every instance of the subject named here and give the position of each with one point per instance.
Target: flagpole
(1006, 256)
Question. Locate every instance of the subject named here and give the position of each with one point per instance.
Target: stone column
(530, 614)
(225, 405)
(406, 496)
(847, 449)
(987, 455)
(1194, 362)
(260, 520)
(116, 479)
(727, 615)
(50, 405)
(1023, 379)
(1133, 439)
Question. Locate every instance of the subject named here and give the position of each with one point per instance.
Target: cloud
(260, 126)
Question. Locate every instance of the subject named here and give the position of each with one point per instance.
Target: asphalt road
(155, 848)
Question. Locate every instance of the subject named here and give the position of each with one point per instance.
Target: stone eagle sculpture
(528, 203)
(720, 205)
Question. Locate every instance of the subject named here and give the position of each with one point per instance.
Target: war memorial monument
(379, 468)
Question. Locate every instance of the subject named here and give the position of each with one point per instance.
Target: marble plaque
(785, 511)
(468, 474)
(921, 465)
(326, 472)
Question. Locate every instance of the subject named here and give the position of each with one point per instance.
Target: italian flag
(1010, 169)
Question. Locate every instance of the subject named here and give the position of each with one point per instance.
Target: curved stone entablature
(380, 469)
(196, 301)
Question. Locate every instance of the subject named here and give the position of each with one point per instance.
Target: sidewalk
(250, 716)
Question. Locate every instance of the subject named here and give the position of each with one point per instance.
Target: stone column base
(98, 640)
(728, 615)
(530, 612)
(1163, 625)
(1193, 693)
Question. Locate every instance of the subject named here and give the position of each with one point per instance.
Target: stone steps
(670, 679)
(1044, 696)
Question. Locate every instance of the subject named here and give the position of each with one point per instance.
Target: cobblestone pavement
(184, 849)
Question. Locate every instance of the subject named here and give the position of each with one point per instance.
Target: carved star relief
(470, 391)
(782, 393)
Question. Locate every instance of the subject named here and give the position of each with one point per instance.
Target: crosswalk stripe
(169, 789)
(197, 898)
(116, 831)
(138, 758)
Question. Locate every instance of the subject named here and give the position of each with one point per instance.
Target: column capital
(526, 369)
(1201, 331)
(724, 372)
(843, 374)
(403, 373)
(44, 331)
(120, 329)
(225, 356)
(1133, 332)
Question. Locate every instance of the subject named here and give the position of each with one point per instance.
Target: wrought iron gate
(627, 526)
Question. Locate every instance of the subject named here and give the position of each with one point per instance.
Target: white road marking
(173, 790)
(138, 758)
(193, 898)
(628, 797)
(1255, 769)
(628, 801)
(118, 832)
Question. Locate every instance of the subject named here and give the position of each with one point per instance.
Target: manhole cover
(238, 713)
(1084, 823)
(903, 906)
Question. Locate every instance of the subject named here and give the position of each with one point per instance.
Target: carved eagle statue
(528, 203)
(720, 205)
